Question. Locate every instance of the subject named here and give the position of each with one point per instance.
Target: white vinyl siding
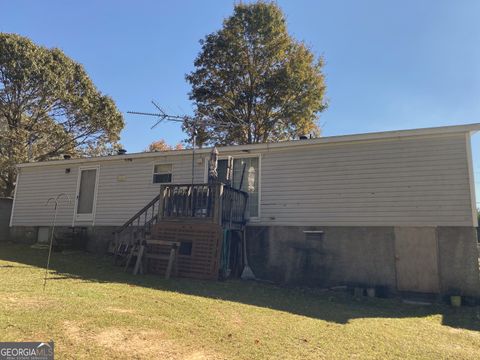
(405, 181)
(124, 187)
(36, 185)
(119, 200)
(414, 181)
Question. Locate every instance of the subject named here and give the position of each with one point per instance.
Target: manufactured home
(394, 209)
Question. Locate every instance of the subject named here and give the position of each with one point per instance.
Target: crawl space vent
(314, 235)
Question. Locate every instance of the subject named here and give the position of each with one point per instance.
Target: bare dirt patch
(142, 343)
(74, 331)
(132, 343)
(198, 355)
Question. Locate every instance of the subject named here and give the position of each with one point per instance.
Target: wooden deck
(194, 215)
(198, 252)
(214, 203)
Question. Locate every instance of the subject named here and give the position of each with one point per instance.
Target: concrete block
(99, 238)
(23, 234)
(458, 260)
(360, 255)
(343, 255)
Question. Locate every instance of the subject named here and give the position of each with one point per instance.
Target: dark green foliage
(48, 107)
(255, 76)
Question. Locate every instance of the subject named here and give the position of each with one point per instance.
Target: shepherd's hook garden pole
(53, 231)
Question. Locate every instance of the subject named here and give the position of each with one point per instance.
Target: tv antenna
(162, 116)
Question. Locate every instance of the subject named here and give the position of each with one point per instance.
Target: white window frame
(153, 172)
(91, 216)
(245, 156)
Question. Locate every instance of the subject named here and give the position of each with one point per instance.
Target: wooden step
(162, 242)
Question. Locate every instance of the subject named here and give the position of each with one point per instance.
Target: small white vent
(43, 235)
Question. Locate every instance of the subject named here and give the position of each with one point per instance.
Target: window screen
(162, 173)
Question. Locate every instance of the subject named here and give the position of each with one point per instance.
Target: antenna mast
(163, 116)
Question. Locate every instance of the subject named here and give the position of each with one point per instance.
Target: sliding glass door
(251, 179)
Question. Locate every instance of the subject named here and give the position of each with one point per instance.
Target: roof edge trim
(467, 128)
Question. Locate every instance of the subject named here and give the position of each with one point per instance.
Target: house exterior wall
(124, 187)
(415, 181)
(405, 181)
(362, 194)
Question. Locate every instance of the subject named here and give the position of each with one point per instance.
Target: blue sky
(389, 64)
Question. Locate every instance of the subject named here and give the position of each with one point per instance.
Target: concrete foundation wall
(458, 259)
(23, 234)
(97, 238)
(426, 259)
(421, 259)
(5, 211)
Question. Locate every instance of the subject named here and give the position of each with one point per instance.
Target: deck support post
(139, 263)
(171, 260)
(217, 219)
(161, 205)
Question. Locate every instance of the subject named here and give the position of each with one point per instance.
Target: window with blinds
(162, 173)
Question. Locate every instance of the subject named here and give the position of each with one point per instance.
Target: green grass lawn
(92, 309)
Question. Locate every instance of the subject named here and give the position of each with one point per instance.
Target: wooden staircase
(181, 230)
(134, 230)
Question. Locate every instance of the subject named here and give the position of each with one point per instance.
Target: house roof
(467, 128)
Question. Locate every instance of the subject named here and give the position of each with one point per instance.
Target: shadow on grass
(325, 305)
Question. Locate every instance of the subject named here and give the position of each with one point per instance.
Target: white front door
(86, 193)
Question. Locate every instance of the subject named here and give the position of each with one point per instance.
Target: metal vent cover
(314, 235)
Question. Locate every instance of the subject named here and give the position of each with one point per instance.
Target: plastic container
(456, 300)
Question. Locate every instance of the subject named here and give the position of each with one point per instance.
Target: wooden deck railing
(136, 227)
(234, 206)
(187, 201)
(217, 203)
(145, 217)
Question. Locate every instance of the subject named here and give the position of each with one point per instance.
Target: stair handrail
(139, 214)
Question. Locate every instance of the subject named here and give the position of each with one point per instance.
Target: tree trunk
(10, 184)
